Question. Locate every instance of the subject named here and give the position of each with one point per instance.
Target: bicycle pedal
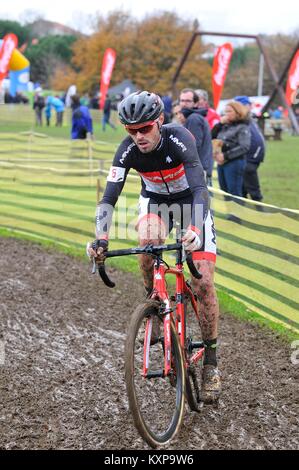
(197, 345)
(154, 374)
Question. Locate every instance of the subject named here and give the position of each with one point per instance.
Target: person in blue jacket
(58, 105)
(48, 113)
(81, 119)
(255, 156)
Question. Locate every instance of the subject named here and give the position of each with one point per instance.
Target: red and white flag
(220, 67)
(292, 90)
(107, 68)
(9, 44)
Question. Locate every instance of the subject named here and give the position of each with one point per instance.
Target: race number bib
(116, 174)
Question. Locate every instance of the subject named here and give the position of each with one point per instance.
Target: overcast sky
(236, 16)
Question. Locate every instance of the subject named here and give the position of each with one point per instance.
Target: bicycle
(160, 363)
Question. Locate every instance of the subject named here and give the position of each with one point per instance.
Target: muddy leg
(151, 230)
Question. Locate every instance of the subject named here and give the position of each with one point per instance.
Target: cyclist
(173, 185)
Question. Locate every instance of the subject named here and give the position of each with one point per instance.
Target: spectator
(48, 113)
(81, 119)
(94, 102)
(84, 100)
(167, 101)
(176, 113)
(254, 156)
(106, 114)
(234, 134)
(38, 106)
(7, 98)
(62, 97)
(20, 98)
(278, 113)
(58, 105)
(190, 117)
(211, 116)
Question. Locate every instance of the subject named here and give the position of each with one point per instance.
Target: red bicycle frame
(160, 293)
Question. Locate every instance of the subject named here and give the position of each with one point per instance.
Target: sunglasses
(142, 130)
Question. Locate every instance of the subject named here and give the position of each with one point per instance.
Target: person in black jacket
(254, 157)
(234, 134)
(194, 120)
(106, 114)
(38, 106)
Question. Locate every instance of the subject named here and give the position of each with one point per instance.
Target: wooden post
(89, 150)
(99, 188)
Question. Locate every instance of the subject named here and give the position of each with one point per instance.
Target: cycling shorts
(178, 214)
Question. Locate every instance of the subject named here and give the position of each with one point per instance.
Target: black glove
(102, 243)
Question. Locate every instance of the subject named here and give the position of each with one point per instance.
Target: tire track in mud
(62, 382)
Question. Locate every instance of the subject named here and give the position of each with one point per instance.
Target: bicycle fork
(159, 287)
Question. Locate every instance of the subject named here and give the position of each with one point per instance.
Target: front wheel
(156, 402)
(194, 367)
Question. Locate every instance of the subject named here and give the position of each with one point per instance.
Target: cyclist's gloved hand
(97, 249)
(191, 241)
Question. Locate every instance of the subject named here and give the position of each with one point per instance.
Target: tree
(22, 32)
(50, 53)
(242, 78)
(147, 50)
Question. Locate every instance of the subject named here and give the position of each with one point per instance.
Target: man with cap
(254, 156)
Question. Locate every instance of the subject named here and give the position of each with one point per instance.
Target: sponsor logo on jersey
(168, 159)
(178, 142)
(126, 153)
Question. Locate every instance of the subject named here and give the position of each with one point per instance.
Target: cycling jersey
(170, 172)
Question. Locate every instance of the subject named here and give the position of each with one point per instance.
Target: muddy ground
(62, 381)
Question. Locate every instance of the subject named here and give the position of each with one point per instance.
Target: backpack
(256, 153)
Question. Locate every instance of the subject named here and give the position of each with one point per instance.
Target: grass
(279, 173)
(12, 121)
(228, 305)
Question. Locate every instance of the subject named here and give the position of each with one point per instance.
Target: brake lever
(104, 276)
(94, 266)
(193, 269)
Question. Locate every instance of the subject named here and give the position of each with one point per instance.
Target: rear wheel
(156, 402)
